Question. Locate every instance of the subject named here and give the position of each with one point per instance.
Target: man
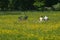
(20, 18)
(41, 19)
(45, 18)
(25, 17)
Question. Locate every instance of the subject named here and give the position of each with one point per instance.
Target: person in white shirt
(45, 18)
(41, 19)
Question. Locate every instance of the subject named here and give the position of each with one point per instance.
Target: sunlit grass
(11, 28)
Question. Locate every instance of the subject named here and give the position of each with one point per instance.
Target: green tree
(4, 4)
(49, 3)
(23, 4)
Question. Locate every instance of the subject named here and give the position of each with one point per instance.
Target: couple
(45, 18)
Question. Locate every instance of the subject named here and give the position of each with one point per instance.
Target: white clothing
(41, 19)
(45, 18)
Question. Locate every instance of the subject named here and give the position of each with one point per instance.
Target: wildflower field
(11, 28)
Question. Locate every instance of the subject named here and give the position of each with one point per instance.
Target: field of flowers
(11, 28)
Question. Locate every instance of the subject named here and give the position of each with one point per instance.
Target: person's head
(45, 16)
(41, 16)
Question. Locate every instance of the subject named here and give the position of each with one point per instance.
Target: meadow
(11, 28)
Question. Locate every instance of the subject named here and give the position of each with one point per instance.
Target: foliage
(26, 4)
(57, 6)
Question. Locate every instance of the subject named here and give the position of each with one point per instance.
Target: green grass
(13, 29)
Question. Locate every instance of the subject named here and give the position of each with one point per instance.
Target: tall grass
(13, 29)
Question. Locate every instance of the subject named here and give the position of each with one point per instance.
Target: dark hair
(41, 16)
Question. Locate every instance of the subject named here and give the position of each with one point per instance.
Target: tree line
(29, 4)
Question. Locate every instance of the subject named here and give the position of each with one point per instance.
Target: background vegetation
(29, 5)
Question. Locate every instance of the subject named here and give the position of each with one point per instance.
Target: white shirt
(41, 18)
(45, 18)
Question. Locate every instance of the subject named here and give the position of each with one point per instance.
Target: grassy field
(13, 29)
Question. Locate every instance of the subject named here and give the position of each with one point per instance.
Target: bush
(57, 6)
